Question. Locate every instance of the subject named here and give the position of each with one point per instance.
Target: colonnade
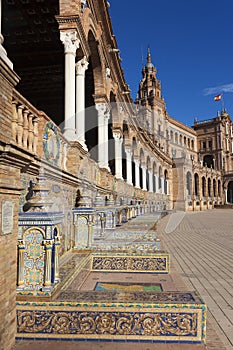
(74, 123)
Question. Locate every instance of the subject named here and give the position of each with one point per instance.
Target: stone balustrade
(25, 120)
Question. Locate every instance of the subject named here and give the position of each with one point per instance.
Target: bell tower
(151, 103)
(150, 88)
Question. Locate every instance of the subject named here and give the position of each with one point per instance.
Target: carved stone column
(144, 187)
(118, 153)
(71, 44)
(137, 173)
(3, 53)
(81, 67)
(151, 175)
(128, 152)
(48, 263)
(103, 117)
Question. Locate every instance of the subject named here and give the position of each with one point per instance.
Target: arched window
(214, 187)
(160, 177)
(209, 187)
(203, 186)
(208, 161)
(154, 177)
(189, 183)
(171, 135)
(181, 140)
(219, 188)
(196, 184)
(165, 182)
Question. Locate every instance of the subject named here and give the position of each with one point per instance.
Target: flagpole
(223, 105)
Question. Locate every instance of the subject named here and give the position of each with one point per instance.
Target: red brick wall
(9, 191)
(69, 7)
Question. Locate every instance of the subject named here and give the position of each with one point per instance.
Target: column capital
(81, 66)
(128, 150)
(103, 110)
(117, 134)
(70, 42)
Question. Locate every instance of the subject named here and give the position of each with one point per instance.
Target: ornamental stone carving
(70, 42)
(103, 110)
(81, 66)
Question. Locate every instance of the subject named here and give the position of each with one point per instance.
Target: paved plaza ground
(201, 251)
(201, 248)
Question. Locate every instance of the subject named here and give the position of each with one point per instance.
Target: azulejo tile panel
(125, 321)
(154, 263)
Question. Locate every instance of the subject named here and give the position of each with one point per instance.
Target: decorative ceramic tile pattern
(156, 263)
(51, 143)
(117, 319)
(34, 260)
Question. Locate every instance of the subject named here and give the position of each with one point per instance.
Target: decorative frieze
(123, 262)
(130, 316)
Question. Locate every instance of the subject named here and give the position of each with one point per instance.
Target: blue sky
(191, 43)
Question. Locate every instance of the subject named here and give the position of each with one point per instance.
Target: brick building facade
(71, 137)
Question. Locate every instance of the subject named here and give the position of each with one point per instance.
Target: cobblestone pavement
(201, 247)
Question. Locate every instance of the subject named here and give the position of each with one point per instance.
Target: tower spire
(148, 55)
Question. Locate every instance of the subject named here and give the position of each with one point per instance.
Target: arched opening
(208, 161)
(111, 141)
(134, 147)
(203, 186)
(93, 84)
(124, 165)
(219, 189)
(160, 178)
(230, 192)
(140, 170)
(189, 183)
(154, 177)
(209, 187)
(214, 187)
(196, 184)
(165, 182)
(181, 140)
(147, 173)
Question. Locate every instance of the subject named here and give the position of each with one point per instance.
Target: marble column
(144, 178)
(103, 117)
(71, 44)
(3, 53)
(118, 154)
(137, 173)
(81, 67)
(151, 175)
(226, 195)
(128, 152)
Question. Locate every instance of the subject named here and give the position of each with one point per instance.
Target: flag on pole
(218, 97)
